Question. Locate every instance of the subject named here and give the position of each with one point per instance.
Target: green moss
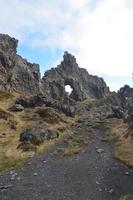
(127, 197)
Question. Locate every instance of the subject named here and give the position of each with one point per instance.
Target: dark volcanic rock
(18, 74)
(16, 108)
(122, 104)
(31, 102)
(68, 72)
(15, 72)
(36, 135)
(126, 96)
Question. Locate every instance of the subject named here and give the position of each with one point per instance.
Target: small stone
(44, 161)
(4, 187)
(18, 178)
(127, 173)
(108, 169)
(35, 174)
(97, 183)
(100, 190)
(100, 150)
(111, 191)
(11, 172)
(104, 140)
(12, 178)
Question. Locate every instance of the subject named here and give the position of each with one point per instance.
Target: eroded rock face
(126, 96)
(37, 135)
(122, 103)
(68, 72)
(15, 72)
(18, 74)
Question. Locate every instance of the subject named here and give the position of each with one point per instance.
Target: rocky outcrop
(68, 72)
(31, 137)
(18, 74)
(126, 97)
(122, 103)
(15, 72)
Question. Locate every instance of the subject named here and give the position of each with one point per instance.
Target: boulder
(117, 112)
(49, 115)
(37, 135)
(16, 108)
(69, 73)
(16, 73)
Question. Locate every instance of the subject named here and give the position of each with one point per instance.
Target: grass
(76, 144)
(82, 105)
(127, 197)
(123, 147)
(5, 95)
(8, 163)
(10, 156)
(74, 147)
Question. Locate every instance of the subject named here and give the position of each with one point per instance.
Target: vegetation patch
(5, 95)
(75, 144)
(116, 131)
(49, 115)
(9, 162)
(127, 197)
(13, 123)
(84, 105)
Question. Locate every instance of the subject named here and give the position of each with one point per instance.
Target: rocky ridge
(16, 73)
(68, 72)
(41, 116)
(20, 75)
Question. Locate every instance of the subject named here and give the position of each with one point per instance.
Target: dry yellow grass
(123, 147)
(10, 156)
(127, 197)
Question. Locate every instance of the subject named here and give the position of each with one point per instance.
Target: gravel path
(91, 175)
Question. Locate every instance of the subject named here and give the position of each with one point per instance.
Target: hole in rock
(68, 89)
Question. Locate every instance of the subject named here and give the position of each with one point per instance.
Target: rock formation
(68, 72)
(122, 103)
(15, 72)
(18, 74)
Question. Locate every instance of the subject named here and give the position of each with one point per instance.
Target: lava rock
(16, 108)
(68, 72)
(16, 73)
(37, 135)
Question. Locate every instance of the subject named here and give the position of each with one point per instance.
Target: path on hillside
(87, 176)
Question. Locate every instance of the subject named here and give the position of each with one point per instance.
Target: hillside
(88, 131)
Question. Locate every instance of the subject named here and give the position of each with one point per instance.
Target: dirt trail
(87, 176)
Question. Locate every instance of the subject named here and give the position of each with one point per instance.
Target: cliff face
(68, 72)
(19, 75)
(15, 72)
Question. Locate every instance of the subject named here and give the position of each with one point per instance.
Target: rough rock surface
(15, 72)
(68, 72)
(18, 74)
(36, 135)
(122, 103)
(67, 107)
(16, 108)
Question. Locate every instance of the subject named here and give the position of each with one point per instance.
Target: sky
(98, 32)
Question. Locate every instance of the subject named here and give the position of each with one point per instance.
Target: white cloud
(101, 38)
